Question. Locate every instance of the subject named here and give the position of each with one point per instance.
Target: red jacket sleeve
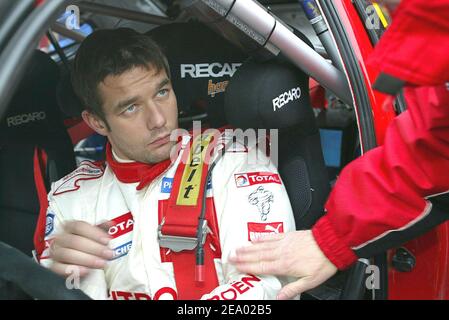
(383, 194)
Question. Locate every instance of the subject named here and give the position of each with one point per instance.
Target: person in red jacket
(383, 198)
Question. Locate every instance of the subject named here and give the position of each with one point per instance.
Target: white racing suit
(249, 199)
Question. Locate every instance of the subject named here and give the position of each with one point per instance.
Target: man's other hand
(81, 246)
(294, 254)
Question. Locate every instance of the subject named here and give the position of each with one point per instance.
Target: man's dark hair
(111, 52)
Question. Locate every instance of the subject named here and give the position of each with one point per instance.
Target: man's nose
(155, 118)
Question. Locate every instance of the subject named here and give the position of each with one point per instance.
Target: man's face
(141, 111)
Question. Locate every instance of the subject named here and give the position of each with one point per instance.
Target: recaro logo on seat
(205, 70)
(286, 97)
(25, 118)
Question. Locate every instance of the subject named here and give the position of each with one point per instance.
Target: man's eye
(130, 109)
(162, 93)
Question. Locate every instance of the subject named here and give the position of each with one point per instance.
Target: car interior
(33, 124)
(42, 136)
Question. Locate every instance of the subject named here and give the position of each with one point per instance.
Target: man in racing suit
(132, 194)
(383, 198)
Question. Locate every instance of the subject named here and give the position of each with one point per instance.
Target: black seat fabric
(201, 63)
(33, 120)
(274, 95)
(71, 106)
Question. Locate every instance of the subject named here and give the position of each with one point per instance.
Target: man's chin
(159, 153)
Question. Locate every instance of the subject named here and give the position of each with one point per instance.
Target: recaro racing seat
(201, 63)
(274, 95)
(33, 120)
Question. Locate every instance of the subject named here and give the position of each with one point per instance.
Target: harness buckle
(178, 243)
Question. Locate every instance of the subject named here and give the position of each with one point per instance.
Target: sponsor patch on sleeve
(121, 225)
(86, 171)
(46, 253)
(256, 230)
(167, 185)
(122, 250)
(49, 224)
(262, 199)
(254, 178)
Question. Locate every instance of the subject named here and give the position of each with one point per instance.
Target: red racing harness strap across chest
(179, 225)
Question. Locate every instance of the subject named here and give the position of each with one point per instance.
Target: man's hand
(291, 254)
(81, 246)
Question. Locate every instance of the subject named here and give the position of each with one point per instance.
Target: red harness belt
(40, 163)
(180, 219)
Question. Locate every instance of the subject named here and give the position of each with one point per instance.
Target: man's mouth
(160, 141)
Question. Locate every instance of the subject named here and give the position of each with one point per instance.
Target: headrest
(69, 102)
(202, 63)
(33, 112)
(267, 95)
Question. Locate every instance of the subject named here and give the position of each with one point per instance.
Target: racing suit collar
(414, 48)
(134, 172)
(118, 159)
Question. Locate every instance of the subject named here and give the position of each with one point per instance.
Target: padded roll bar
(266, 29)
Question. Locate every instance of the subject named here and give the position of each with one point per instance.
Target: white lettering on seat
(205, 70)
(25, 118)
(286, 97)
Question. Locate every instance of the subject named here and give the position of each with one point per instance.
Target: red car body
(429, 278)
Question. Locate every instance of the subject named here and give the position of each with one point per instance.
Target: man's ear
(95, 123)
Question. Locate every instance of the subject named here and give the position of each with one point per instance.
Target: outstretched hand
(294, 254)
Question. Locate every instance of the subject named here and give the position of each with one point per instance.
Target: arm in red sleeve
(380, 198)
